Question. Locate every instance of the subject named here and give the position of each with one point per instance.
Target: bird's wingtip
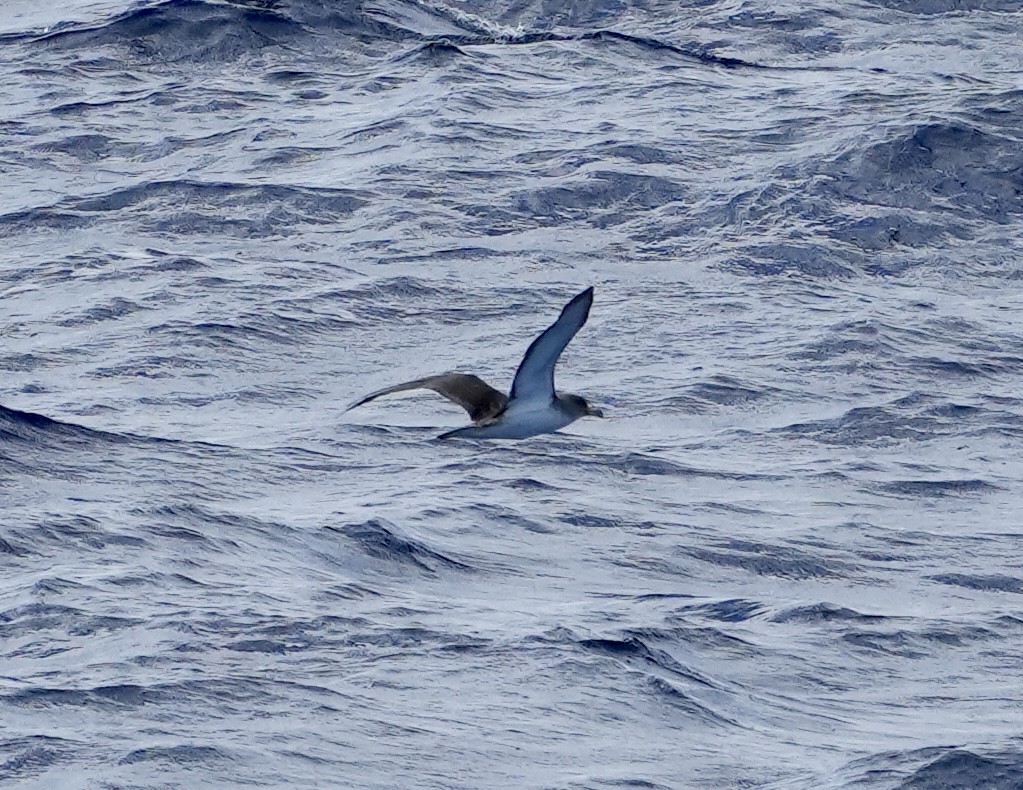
(582, 296)
(351, 406)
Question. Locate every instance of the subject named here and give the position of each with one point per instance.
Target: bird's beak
(593, 411)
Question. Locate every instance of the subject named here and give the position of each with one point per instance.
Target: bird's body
(533, 407)
(520, 420)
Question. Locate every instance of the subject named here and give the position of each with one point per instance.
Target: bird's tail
(469, 432)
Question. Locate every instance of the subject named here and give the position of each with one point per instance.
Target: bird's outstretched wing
(470, 392)
(535, 376)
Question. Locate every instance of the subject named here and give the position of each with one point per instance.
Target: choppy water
(792, 558)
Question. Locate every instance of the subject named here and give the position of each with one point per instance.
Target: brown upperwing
(472, 393)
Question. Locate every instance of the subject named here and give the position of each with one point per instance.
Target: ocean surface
(791, 556)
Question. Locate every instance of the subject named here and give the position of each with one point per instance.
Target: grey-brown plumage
(472, 393)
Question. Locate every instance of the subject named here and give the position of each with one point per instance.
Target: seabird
(532, 407)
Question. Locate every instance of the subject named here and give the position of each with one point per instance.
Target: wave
(188, 207)
(929, 489)
(887, 200)
(938, 768)
(948, 167)
(181, 30)
(384, 541)
(985, 583)
(764, 559)
(31, 756)
(211, 32)
(661, 676)
(30, 428)
(935, 7)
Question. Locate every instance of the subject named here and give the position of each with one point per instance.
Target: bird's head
(581, 406)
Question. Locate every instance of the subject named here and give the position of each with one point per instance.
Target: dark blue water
(791, 558)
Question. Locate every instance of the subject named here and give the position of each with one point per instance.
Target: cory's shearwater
(533, 407)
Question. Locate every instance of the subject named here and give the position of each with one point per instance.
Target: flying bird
(533, 406)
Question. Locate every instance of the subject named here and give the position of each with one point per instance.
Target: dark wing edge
(543, 353)
(470, 392)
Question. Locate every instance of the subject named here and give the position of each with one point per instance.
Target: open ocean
(791, 557)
